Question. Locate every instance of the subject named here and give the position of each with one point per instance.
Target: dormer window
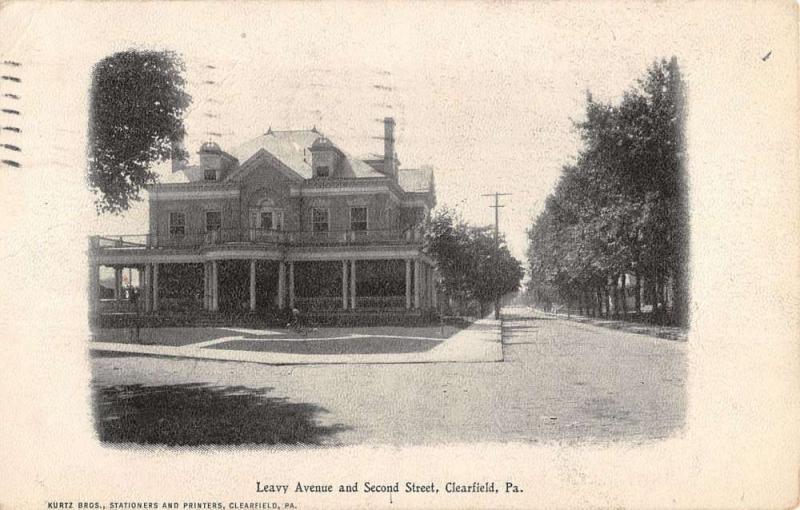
(210, 174)
(325, 157)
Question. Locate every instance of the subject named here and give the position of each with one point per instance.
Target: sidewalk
(480, 342)
(667, 332)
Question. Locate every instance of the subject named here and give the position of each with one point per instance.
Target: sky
(486, 93)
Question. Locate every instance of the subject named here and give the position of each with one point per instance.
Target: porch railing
(380, 302)
(116, 306)
(335, 303)
(318, 303)
(255, 236)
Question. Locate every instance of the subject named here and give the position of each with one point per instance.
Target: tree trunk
(638, 290)
(615, 295)
(604, 301)
(650, 292)
(610, 297)
(623, 284)
(658, 309)
(597, 302)
(681, 296)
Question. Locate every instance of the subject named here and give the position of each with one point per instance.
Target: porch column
(344, 285)
(417, 283)
(291, 284)
(424, 286)
(353, 284)
(430, 286)
(214, 286)
(282, 285)
(146, 287)
(427, 286)
(434, 294)
(206, 286)
(94, 290)
(118, 283)
(252, 285)
(408, 284)
(155, 287)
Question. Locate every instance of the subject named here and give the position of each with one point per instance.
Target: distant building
(288, 219)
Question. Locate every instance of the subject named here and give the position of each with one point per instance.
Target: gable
(260, 161)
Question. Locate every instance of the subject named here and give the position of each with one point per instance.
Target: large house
(288, 219)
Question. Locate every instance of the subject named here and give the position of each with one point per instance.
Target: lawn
(356, 345)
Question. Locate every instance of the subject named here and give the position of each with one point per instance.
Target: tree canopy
(621, 207)
(136, 118)
(470, 265)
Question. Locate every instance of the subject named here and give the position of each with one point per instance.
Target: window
(319, 220)
(358, 218)
(271, 220)
(266, 220)
(177, 224)
(210, 175)
(323, 171)
(213, 221)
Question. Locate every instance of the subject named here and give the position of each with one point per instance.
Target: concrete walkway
(667, 332)
(480, 342)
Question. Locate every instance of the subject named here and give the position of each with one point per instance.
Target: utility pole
(496, 208)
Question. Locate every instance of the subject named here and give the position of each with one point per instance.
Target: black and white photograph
(400, 255)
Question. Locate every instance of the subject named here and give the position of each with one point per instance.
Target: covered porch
(259, 282)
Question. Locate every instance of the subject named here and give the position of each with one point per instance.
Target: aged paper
(484, 92)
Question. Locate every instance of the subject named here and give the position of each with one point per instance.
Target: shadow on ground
(195, 414)
(522, 317)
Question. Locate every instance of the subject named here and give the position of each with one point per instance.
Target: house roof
(415, 180)
(292, 149)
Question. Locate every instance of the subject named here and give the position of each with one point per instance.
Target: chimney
(388, 147)
(178, 156)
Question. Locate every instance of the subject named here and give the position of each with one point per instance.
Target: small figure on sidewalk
(297, 323)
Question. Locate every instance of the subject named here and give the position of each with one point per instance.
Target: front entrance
(233, 282)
